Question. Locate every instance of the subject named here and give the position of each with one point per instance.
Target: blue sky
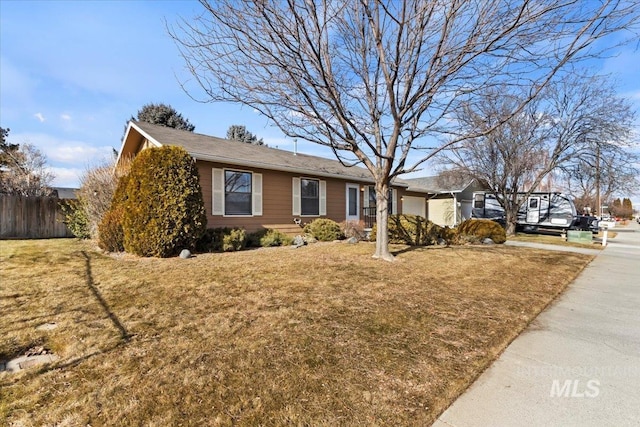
(73, 72)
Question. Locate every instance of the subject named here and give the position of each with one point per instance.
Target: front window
(310, 196)
(237, 193)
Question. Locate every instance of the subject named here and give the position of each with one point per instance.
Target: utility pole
(598, 202)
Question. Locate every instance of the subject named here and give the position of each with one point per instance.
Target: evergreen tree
(240, 133)
(164, 115)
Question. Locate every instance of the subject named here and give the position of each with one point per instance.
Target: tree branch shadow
(124, 334)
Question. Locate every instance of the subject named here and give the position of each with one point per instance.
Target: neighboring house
(449, 203)
(65, 193)
(256, 187)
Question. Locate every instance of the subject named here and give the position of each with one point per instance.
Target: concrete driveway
(578, 363)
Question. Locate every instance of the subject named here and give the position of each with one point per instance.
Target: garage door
(414, 206)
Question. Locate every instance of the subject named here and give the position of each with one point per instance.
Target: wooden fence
(31, 218)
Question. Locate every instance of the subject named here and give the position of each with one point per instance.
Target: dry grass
(321, 335)
(556, 239)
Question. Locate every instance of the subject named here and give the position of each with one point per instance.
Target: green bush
(235, 240)
(412, 230)
(76, 218)
(211, 240)
(268, 237)
(163, 210)
(276, 238)
(324, 229)
(110, 233)
(231, 239)
(481, 229)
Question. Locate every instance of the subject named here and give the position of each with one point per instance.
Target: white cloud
(39, 116)
(57, 150)
(66, 117)
(66, 177)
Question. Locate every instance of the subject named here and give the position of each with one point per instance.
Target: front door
(353, 202)
(533, 210)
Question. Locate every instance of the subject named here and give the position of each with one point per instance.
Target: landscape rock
(352, 240)
(298, 241)
(441, 242)
(488, 241)
(185, 254)
(46, 326)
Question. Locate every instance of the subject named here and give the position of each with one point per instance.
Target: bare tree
(605, 170)
(97, 186)
(25, 173)
(374, 79)
(558, 129)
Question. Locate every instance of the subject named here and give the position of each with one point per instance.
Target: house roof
(210, 148)
(438, 184)
(65, 192)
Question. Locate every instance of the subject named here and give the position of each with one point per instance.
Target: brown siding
(277, 198)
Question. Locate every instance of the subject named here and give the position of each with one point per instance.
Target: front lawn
(320, 335)
(556, 239)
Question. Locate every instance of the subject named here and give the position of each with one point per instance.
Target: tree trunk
(511, 221)
(382, 227)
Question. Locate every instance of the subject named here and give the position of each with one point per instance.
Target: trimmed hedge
(324, 230)
(413, 230)
(163, 211)
(481, 229)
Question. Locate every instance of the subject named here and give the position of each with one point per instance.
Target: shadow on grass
(415, 248)
(124, 334)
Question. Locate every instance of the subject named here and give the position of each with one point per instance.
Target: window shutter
(394, 201)
(257, 194)
(323, 198)
(217, 201)
(296, 197)
(365, 202)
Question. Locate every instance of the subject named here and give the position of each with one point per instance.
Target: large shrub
(324, 229)
(110, 231)
(481, 229)
(163, 211)
(413, 230)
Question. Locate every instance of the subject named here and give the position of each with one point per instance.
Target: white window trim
(256, 194)
(297, 197)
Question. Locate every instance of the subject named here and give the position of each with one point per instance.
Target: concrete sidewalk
(578, 363)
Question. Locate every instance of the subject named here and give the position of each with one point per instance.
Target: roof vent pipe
(295, 146)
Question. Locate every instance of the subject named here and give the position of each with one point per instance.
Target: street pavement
(578, 363)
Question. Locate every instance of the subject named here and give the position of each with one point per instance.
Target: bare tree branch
(378, 80)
